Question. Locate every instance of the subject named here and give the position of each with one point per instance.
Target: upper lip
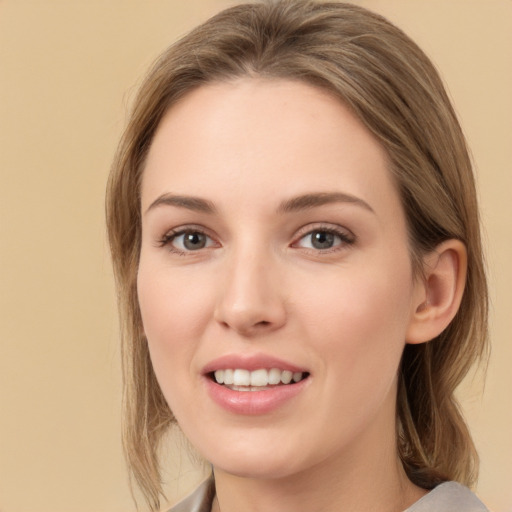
(250, 362)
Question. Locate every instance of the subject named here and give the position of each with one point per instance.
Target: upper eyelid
(323, 226)
(179, 230)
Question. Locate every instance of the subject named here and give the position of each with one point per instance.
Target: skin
(259, 286)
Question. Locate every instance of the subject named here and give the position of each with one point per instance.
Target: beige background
(68, 70)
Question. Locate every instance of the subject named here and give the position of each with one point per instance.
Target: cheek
(360, 321)
(173, 305)
(358, 299)
(173, 313)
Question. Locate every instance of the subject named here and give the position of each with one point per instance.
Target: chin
(255, 469)
(258, 460)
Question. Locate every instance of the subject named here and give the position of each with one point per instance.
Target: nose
(250, 300)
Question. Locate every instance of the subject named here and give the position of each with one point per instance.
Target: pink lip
(252, 402)
(250, 362)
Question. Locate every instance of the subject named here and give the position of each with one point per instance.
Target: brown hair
(394, 89)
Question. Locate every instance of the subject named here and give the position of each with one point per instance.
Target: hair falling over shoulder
(389, 83)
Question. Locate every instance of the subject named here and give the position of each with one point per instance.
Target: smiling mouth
(258, 380)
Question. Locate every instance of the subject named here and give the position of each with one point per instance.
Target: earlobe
(438, 295)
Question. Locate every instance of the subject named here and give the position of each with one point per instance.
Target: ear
(438, 295)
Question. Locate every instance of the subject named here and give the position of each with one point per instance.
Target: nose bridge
(250, 298)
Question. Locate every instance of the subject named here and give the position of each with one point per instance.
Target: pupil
(322, 240)
(194, 241)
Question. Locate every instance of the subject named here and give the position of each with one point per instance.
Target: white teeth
(286, 377)
(259, 378)
(228, 377)
(274, 376)
(240, 378)
(247, 388)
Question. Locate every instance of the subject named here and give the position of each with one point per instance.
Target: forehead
(278, 137)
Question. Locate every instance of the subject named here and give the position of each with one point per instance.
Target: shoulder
(447, 497)
(200, 500)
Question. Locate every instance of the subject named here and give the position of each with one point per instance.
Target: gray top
(447, 497)
(200, 500)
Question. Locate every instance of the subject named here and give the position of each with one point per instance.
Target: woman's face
(274, 247)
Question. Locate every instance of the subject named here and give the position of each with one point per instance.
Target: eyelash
(170, 236)
(345, 238)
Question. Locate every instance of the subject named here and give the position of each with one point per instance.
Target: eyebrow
(303, 202)
(308, 201)
(196, 204)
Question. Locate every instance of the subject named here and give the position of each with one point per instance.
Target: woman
(293, 222)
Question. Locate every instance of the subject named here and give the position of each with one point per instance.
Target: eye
(323, 239)
(187, 241)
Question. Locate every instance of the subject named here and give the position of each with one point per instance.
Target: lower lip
(253, 402)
